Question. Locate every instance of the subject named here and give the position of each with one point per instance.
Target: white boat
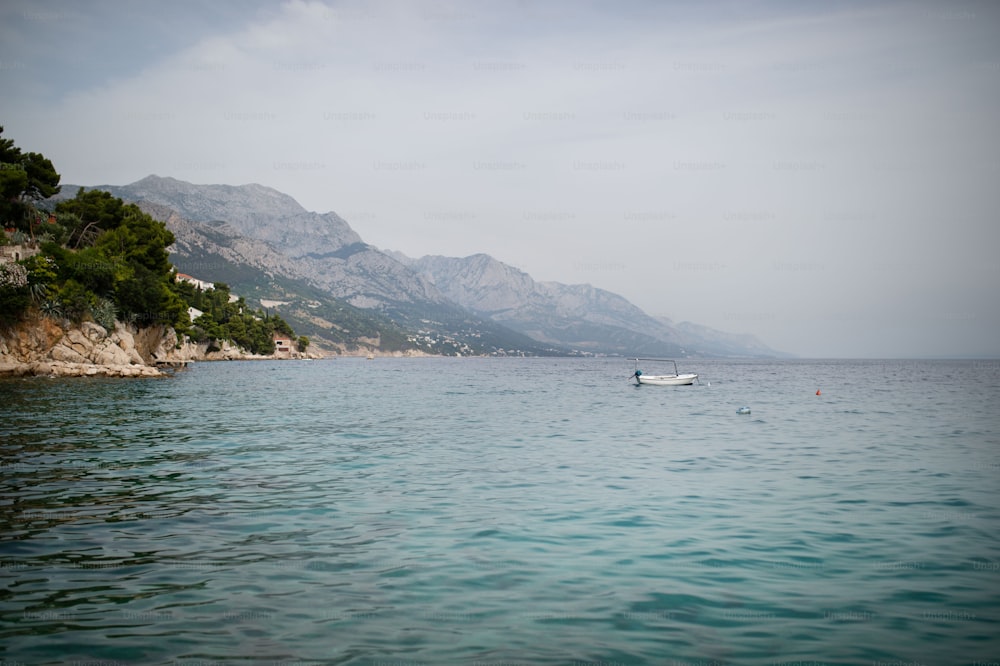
(675, 379)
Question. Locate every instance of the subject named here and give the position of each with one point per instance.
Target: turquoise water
(504, 511)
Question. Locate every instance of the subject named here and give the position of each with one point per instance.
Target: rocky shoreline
(46, 347)
(64, 369)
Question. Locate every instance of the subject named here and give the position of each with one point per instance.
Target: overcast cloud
(823, 175)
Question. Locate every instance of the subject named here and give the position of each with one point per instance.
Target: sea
(504, 511)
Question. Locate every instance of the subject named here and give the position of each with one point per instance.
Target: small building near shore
(282, 345)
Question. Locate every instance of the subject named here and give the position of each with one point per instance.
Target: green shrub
(74, 299)
(103, 312)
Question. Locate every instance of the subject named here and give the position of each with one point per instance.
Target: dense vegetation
(97, 258)
(226, 318)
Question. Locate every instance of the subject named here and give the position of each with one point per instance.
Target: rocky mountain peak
(207, 203)
(479, 281)
(254, 210)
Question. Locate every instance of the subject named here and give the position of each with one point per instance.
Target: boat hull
(667, 380)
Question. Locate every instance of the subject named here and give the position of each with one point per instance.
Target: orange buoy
(818, 392)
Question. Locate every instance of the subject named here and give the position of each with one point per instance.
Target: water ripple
(503, 511)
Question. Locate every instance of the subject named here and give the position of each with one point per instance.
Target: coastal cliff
(47, 347)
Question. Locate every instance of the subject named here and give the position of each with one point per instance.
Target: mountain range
(347, 295)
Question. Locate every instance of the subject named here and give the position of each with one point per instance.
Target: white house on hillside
(201, 284)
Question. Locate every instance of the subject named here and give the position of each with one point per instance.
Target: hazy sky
(823, 175)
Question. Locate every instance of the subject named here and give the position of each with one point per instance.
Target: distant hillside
(579, 316)
(326, 281)
(576, 316)
(706, 341)
(218, 253)
(267, 277)
(332, 287)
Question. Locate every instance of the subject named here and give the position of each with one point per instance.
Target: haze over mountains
(318, 273)
(577, 315)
